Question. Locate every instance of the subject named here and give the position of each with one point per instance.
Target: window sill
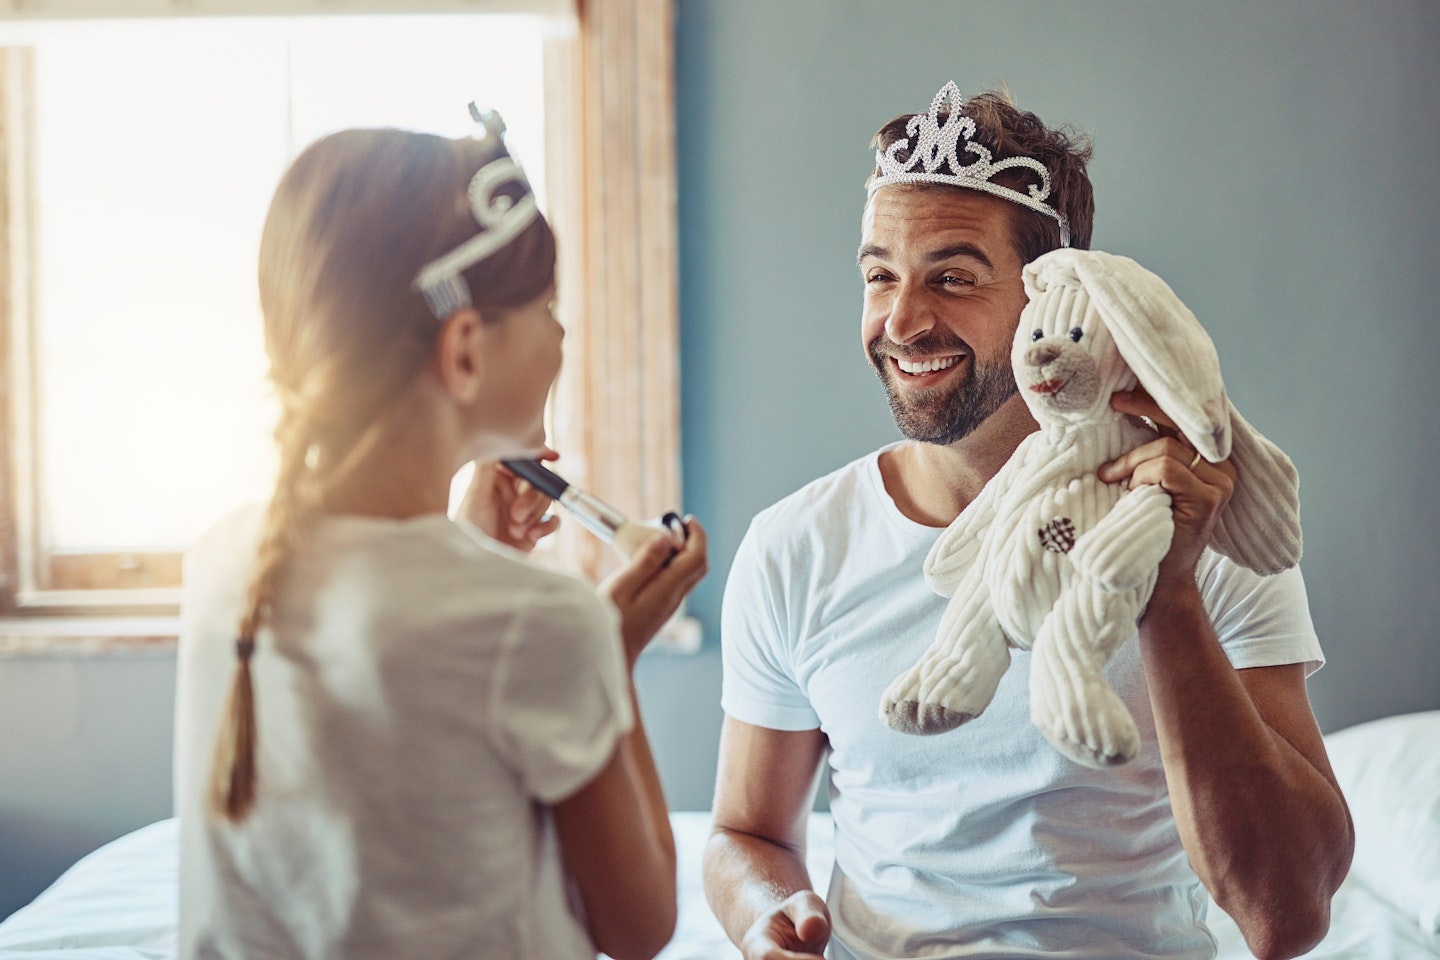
(84, 637)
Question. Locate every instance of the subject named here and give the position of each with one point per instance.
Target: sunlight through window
(157, 145)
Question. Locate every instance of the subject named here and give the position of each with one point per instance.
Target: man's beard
(942, 417)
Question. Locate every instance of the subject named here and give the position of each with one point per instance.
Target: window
(138, 227)
(140, 157)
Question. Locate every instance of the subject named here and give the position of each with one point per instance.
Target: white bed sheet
(119, 903)
(1363, 926)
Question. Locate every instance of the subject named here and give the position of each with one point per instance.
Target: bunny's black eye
(1037, 335)
(1076, 334)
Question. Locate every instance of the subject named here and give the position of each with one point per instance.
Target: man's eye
(876, 277)
(955, 281)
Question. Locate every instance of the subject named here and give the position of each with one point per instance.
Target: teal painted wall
(1274, 162)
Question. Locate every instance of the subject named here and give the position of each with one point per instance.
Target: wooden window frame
(615, 415)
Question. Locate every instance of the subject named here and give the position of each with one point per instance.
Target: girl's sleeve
(561, 697)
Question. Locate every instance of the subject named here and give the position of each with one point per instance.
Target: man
(985, 842)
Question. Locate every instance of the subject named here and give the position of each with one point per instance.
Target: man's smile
(921, 371)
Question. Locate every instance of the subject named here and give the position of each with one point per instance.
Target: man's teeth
(927, 366)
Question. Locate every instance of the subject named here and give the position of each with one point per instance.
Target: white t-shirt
(422, 694)
(985, 841)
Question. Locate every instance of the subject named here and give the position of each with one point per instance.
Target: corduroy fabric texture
(1050, 559)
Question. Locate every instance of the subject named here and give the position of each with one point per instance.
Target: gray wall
(1274, 162)
(84, 757)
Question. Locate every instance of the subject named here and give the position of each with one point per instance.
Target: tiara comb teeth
(500, 217)
(935, 157)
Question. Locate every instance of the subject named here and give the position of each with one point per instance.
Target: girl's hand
(1198, 489)
(649, 588)
(507, 508)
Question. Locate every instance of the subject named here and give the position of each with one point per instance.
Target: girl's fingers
(661, 567)
(527, 504)
(645, 563)
(545, 454)
(693, 558)
(689, 562)
(539, 531)
(649, 590)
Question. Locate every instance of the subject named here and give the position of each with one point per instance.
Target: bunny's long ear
(1175, 361)
(1170, 353)
(1260, 526)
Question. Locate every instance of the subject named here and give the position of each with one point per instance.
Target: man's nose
(910, 315)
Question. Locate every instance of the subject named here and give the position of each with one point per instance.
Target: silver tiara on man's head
(501, 218)
(934, 157)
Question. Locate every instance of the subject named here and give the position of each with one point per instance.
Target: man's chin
(925, 428)
(942, 426)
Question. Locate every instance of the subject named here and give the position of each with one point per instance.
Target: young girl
(396, 737)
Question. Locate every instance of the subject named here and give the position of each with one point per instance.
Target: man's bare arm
(1258, 807)
(755, 876)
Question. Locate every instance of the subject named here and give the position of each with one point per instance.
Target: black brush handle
(538, 476)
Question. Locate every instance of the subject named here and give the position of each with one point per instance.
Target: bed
(119, 903)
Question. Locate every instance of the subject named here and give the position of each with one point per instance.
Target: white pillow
(1389, 770)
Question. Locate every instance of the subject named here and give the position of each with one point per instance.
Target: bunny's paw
(951, 685)
(923, 719)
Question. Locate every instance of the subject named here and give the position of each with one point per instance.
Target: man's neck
(931, 484)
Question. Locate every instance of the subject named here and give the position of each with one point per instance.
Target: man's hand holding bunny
(1199, 489)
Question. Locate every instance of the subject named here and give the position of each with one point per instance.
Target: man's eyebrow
(960, 250)
(870, 250)
(934, 256)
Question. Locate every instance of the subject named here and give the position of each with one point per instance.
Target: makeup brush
(596, 515)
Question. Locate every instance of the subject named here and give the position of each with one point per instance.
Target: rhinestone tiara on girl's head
(934, 158)
(500, 218)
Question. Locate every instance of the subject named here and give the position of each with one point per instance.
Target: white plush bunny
(1049, 558)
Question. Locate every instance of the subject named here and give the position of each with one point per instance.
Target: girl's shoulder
(225, 552)
(454, 565)
(428, 569)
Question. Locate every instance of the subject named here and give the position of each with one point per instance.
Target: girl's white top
(422, 694)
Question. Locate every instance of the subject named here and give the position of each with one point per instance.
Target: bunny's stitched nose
(1041, 354)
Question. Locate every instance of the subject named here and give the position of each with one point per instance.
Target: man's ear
(457, 356)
